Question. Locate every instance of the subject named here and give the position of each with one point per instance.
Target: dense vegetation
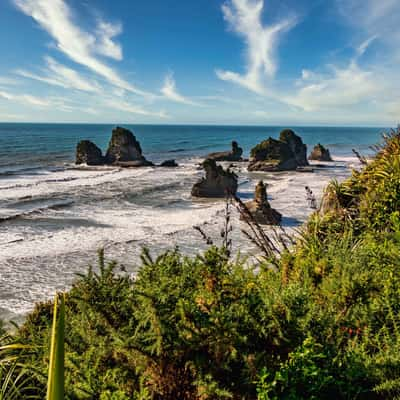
(321, 320)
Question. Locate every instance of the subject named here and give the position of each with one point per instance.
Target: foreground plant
(315, 319)
(17, 377)
(55, 383)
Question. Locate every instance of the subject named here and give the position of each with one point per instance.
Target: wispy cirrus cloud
(375, 17)
(59, 75)
(25, 99)
(371, 84)
(127, 107)
(244, 17)
(105, 34)
(362, 48)
(338, 87)
(170, 91)
(55, 17)
(8, 81)
(54, 103)
(4, 116)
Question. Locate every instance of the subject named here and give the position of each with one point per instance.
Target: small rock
(88, 153)
(234, 155)
(320, 153)
(133, 164)
(260, 208)
(169, 163)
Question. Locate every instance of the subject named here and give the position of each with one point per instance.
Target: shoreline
(158, 218)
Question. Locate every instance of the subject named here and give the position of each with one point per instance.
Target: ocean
(55, 216)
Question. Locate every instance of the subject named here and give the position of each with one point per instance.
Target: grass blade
(55, 384)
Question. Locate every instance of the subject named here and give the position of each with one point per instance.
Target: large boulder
(320, 153)
(260, 209)
(218, 182)
(88, 153)
(287, 153)
(124, 149)
(233, 155)
(297, 146)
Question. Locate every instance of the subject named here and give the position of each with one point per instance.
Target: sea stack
(235, 154)
(320, 153)
(124, 150)
(88, 153)
(218, 182)
(297, 146)
(260, 208)
(286, 154)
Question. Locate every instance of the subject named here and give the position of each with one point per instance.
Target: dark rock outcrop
(88, 153)
(260, 208)
(125, 150)
(320, 153)
(285, 154)
(217, 182)
(297, 146)
(133, 164)
(169, 163)
(272, 155)
(234, 155)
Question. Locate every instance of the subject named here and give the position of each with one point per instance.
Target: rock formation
(124, 149)
(233, 155)
(169, 163)
(217, 182)
(285, 154)
(260, 208)
(297, 146)
(88, 153)
(320, 153)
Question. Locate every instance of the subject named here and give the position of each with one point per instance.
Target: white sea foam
(121, 210)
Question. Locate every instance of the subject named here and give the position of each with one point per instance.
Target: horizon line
(325, 125)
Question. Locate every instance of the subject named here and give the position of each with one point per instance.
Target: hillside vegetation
(319, 321)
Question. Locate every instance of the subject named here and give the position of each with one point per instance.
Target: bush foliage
(322, 321)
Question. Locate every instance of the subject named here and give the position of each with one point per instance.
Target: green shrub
(322, 323)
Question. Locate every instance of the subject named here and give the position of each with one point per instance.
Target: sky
(251, 62)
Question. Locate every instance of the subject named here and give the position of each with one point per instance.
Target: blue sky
(333, 62)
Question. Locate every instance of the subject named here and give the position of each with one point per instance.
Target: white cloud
(54, 103)
(362, 48)
(219, 99)
(378, 18)
(11, 117)
(245, 18)
(60, 75)
(341, 87)
(105, 45)
(261, 114)
(170, 92)
(393, 109)
(7, 81)
(55, 17)
(132, 109)
(25, 99)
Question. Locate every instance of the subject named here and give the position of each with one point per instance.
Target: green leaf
(55, 383)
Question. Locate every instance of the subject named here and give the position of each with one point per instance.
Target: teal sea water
(30, 145)
(55, 216)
